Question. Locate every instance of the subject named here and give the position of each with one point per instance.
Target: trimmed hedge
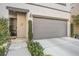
(35, 48)
(30, 35)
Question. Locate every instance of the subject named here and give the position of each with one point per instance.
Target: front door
(21, 25)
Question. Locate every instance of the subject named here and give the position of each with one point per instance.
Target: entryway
(17, 25)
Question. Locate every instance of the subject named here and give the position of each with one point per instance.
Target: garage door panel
(46, 28)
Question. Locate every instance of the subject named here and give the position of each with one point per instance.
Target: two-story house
(49, 20)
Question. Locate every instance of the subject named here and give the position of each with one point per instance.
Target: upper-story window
(64, 4)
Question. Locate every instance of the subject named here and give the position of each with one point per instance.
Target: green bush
(4, 33)
(30, 35)
(2, 51)
(35, 48)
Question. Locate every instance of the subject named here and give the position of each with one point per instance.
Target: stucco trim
(48, 7)
(17, 9)
(49, 17)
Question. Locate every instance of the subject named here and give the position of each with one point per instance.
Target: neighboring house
(50, 20)
(75, 9)
(75, 12)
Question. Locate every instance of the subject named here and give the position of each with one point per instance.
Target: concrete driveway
(64, 46)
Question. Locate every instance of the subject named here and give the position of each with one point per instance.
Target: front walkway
(18, 48)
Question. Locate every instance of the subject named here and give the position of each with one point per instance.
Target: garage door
(49, 28)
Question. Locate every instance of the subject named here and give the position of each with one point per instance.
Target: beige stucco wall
(26, 27)
(77, 29)
(39, 10)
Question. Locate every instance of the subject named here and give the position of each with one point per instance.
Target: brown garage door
(48, 28)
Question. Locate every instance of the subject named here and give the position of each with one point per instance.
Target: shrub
(30, 35)
(2, 51)
(35, 48)
(4, 33)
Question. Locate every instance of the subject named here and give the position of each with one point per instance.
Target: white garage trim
(49, 17)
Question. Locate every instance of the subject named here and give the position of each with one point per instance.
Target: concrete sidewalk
(18, 47)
